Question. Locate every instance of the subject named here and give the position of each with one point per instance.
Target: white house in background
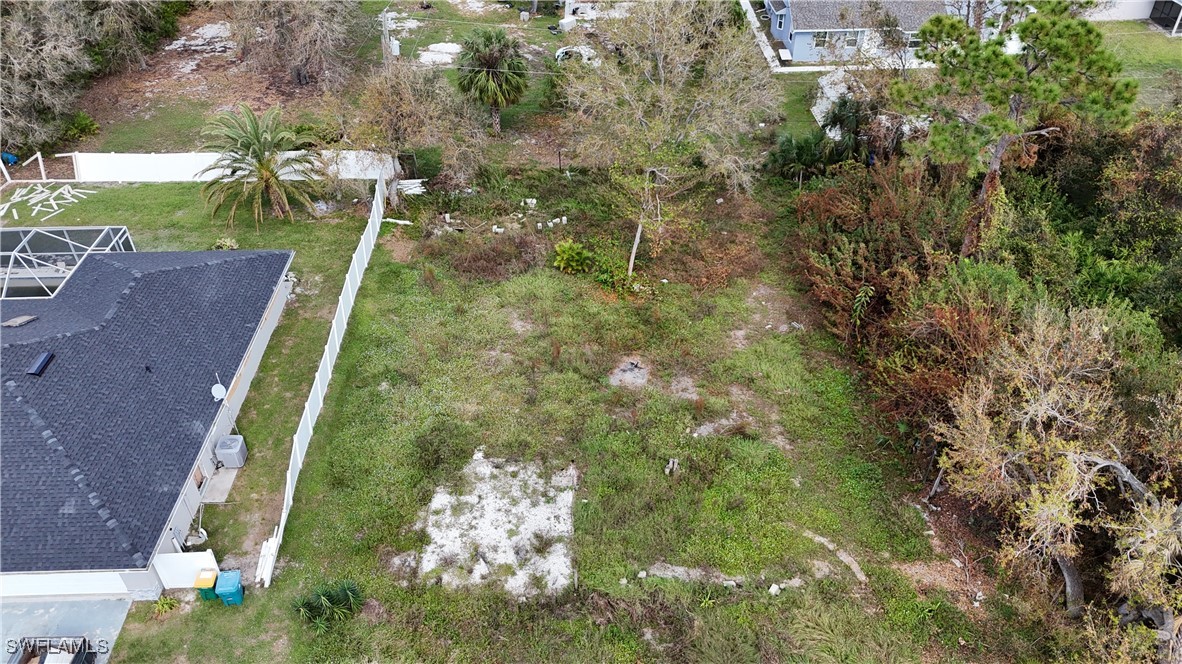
(816, 30)
(1165, 13)
(109, 396)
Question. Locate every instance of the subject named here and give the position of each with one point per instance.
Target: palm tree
(850, 118)
(801, 157)
(258, 157)
(492, 71)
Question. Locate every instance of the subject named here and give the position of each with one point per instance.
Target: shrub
(611, 271)
(444, 446)
(330, 604)
(501, 258)
(572, 257)
(79, 126)
(225, 244)
(324, 133)
(164, 605)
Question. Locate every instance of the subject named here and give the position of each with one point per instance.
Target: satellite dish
(218, 390)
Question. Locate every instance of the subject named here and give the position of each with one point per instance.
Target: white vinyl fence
(303, 434)
(185, 166)
(179, 570)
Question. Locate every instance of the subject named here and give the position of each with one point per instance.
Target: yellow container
(206, 578)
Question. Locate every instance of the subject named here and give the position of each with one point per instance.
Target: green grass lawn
(799, 93)
(168, 127)
(1147, 54)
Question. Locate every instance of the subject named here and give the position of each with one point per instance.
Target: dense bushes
(1038, 370)
(49, 50)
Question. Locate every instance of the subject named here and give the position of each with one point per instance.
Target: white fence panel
(332, 347)
(185, 166)
(179, 570)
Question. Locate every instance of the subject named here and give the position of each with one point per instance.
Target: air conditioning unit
(231, 451)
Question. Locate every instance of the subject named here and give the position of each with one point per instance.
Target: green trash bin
(206, 580)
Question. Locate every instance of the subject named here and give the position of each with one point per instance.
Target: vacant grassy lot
(435, 365)
(1147, 54)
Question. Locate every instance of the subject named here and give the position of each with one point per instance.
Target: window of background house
(851, 39)
(912, 39)
(821, 39)
(779, 21)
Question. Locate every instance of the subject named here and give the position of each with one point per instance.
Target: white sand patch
(400, 24)
(427, 57)
(511, 526)
(479, 6)
(446, 47)
(443, 53)
(209, 38)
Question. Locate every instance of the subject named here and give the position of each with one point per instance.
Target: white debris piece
(42, 202)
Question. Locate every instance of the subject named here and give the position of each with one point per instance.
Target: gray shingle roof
(847, 14)
(96, 450)
(777, 6)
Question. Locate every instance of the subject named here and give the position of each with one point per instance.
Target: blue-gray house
(815, 30)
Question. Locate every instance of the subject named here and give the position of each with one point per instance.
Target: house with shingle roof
(109, 412)
(817, 30)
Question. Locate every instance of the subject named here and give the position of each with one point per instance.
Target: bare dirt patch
(401, 248)
(522, 326)
(683, 387)
(540, 143)
(632, 372)
(257, 530)
(728, 425)
(773, 311)
(959, 571)
(374, 612)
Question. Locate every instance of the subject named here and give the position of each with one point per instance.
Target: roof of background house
(838, 14)
(777, 6)
(97, 449)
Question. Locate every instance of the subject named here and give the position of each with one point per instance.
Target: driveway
(99, 620)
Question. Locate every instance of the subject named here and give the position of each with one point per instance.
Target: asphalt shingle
(848, 15)
(96, 450)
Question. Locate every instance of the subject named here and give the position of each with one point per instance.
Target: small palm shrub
(225, 244)
(572, 257)
(330, 604)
